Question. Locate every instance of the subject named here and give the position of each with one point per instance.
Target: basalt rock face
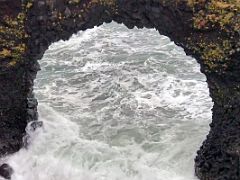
(208, 30)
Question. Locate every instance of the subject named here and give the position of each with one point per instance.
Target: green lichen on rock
(222, 20)
(223, 13)
(214, 53)
(13, 37)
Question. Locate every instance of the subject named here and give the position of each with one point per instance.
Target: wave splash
(116, 109)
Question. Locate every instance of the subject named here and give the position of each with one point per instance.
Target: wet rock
(32, 126)
(35, 124)
(32, 103)
(6, 171)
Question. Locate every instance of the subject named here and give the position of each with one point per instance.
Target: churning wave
(117, 104)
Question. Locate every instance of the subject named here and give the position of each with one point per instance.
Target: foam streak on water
(116, 104)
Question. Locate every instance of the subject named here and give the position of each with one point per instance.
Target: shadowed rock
(6, 171)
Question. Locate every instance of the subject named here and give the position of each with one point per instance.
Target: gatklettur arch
(208, 30)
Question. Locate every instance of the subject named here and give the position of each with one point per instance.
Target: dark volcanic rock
(207, 30)
(6, 171)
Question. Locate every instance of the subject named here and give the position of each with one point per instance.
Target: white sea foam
(116, 104)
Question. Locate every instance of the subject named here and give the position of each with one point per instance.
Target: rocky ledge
(208, 30)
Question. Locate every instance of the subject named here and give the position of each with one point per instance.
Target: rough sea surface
(117, 104)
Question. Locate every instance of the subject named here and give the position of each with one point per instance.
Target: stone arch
(208, 30)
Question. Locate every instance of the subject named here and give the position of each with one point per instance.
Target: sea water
(116, 104)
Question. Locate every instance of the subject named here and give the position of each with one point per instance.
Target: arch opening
(128, 110)
(207, 30)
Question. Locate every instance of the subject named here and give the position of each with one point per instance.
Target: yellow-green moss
(216, 13)
(29, 5)
(223, 15)
(5, 53)
(214, 53)
(12, 46)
